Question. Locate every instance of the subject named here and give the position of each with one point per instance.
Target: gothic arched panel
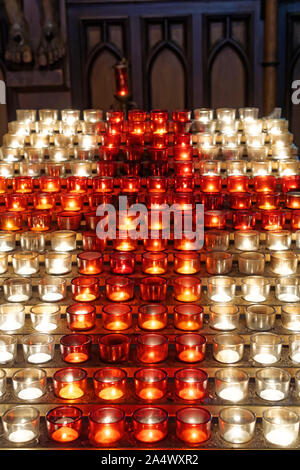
(101, 80)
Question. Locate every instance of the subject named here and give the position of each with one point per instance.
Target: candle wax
(191, 393)
(39, 358)
(236, 436)
(5, 356)
(110, 393)
(282, 437)
(85, 297)
(150, 393)
(271, 394)
(186, 269)
(296, 357)
(152, 325)
(222, 297)
(64, 246)
(17, 298)
(188, 325)
(265, 358)
(190, 356)
(150, 435)
(30, 393)
(10, 325)
(117, 325)
(21, 435)
(26, 271)
(224, 325)
(44, 325)
(193, 435)
(154, 270)
(65, 434)
(51, 297)
(231, 393)
(254, 297)
(119, 296)
(71, 392)
(187, 296)
(76, 357)
(107, 435)
(288, 298)
(227, 355)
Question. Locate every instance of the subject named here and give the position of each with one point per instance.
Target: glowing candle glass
(11, 221)
(64, 423)
(150, 424)
(154, 263)
(221, 289)
(114, 347)
(119, 289)
(106, 426)
(71, 202)
(152, 317)
(16, 202)
(12, 316)
(81, 317)
(290, 317)
(17, 290)
(70, 383)
(152, 348)
(44, 201)
(122, 263)
(90, 262)
(193, 425)
(32, 241)
(110, 383)
(116, 317)
(251, 262)
(190, 347)
(29, 384)
(85, 289)
(21, 424)
(25, 263)
(228, 348)
(240, 200)
(188, 317)
(224, 317)
(7, 241)
(265, 348)
(272, 384)
(186, 263)
(246, 240)
(278, 240)
(75, 348)
(150, 384)
(218, 262)
(255, 288)
(215, 219)
(63, 240)
(264, 183)
(272, 220)
(8, 348)
(280, 426)
(190, 384)
(231, 384)
(38, 348)
(287, 289)
(58, 263)
(237, 425)
(187, 288)
(39, 221)
(283, 263)
(52, 289)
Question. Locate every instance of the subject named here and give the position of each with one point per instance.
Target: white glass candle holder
(7, 241)
(63, 240)
(221, 289)
(52, 289)
(8, 348)
(31, 241)
(248, 115)
(261, 168)
(217, 240)
(265, 348)
(224, 317)
(2, 382)
(278, 240)
(29, 384)
(12, 316)
(58, 154)
(17, 289)
(236, 424)
(57, 263)
(32, 169)
(39, 140)
(246, 240)
(26, 115)
(284, 263)
(272, 384)
(3, 262)
(255, 288)
(280, 426)
(21, 424)
(236, 167)
(260, 317)
(50, 116)
(290, 317)
(34, 155)
(294, 347)
(251, 262)
(81, 168)
(38, 348)
(12, 142)
(231, 384)
(92, 115)
(45, 317)
(7, 170)
(228, 348)
(10, 154)
(70, 116)
(25, 263)
(287, 289)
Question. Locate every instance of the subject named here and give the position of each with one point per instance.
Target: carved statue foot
(51, 48)
(18, 48)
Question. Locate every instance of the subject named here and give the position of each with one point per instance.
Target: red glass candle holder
(184, 184)
(272, 220)
(68, 220)
(134, 140)
(153, 289)
(137, 115)
(193, 425)
(130, 184)
(50, 184)
(75, 348)
(159, 140)
(181, 115)
(132, 168)
(44, 201)
(290, 183)
(110, 383)
(159, 115)
(241, 200)
(23, 184)
(182, 153)
(106, 426)
(117, 317)
(190, 347)
(157, 184)
(152, 348)
(85, 289)
(155, 244)
(119, 289)
(97, 199)
(121, 79)
(237, 184)
(185, 201)
(109, 153)
(292, 200)
(71, 202)
(90, 262)
(110, 140)
(154, 263)
(158, 154)
(183, 168)
(152, 317)
(150, 424)
(244, 220)
(16, 202)
(133, 153)
(39, 221)
(122, 263)
(103, 184)
(90, 242)
(150, 384)
(212, 201)
(187, 289)
(188, 242)
(191, 384)
(115, 116)
(210, 183)
(70, 383)
(114, 347)
(188, 317)
(64, 423)
(264, 183)
(3, 184)
(267, 201)
(187, 263)
(107, 168)
(81, 317)
(215, 219)
(295, 220)
(77, 184)
(155, 200)
(183, 140)
(11, 221)
(124, 244)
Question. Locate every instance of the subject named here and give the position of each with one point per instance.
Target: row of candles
(148, 425)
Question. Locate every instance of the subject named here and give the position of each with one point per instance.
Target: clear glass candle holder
(58, 154)
(75, 348)
(193, 425)
(187, 289)
(119, 289)
(152, 317)
(261, 168)
(150, 384)
(114, 347)
(265, 348)
(110, 383)
(52, 289)
(12, 316)
(63, 240)
(64, 423)
(246, 240)
(228, 348)
(7, 170)
(58, 263)
(290, 317)
(117, 317)
(45, 317)
(280, 426)
(294, 348)
(17, 289)
(283, 263)
(32, 241)
(236, 424)
(38, 348)
(260, 317)
(188, 317)
(272, 384)
(150, 424)
(152, 348)
(278, 240)
(255, 288)
(21, 424)
(231, 384)
(251, 262)
(224, 317)
(287, 289)
(221, 288)
(2, 382)
(216, 240)
(25, 263)
(190, 347)
(218, 262)
(106, 426)
(191, 384)
(29, 384)
(7, 241)
(8, 348)
(70, 383)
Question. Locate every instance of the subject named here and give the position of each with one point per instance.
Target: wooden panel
(102, 80)
(239, 32)
(154, 35)
(116, 36)
(177, 34)
(216, 32)
(93, 36)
